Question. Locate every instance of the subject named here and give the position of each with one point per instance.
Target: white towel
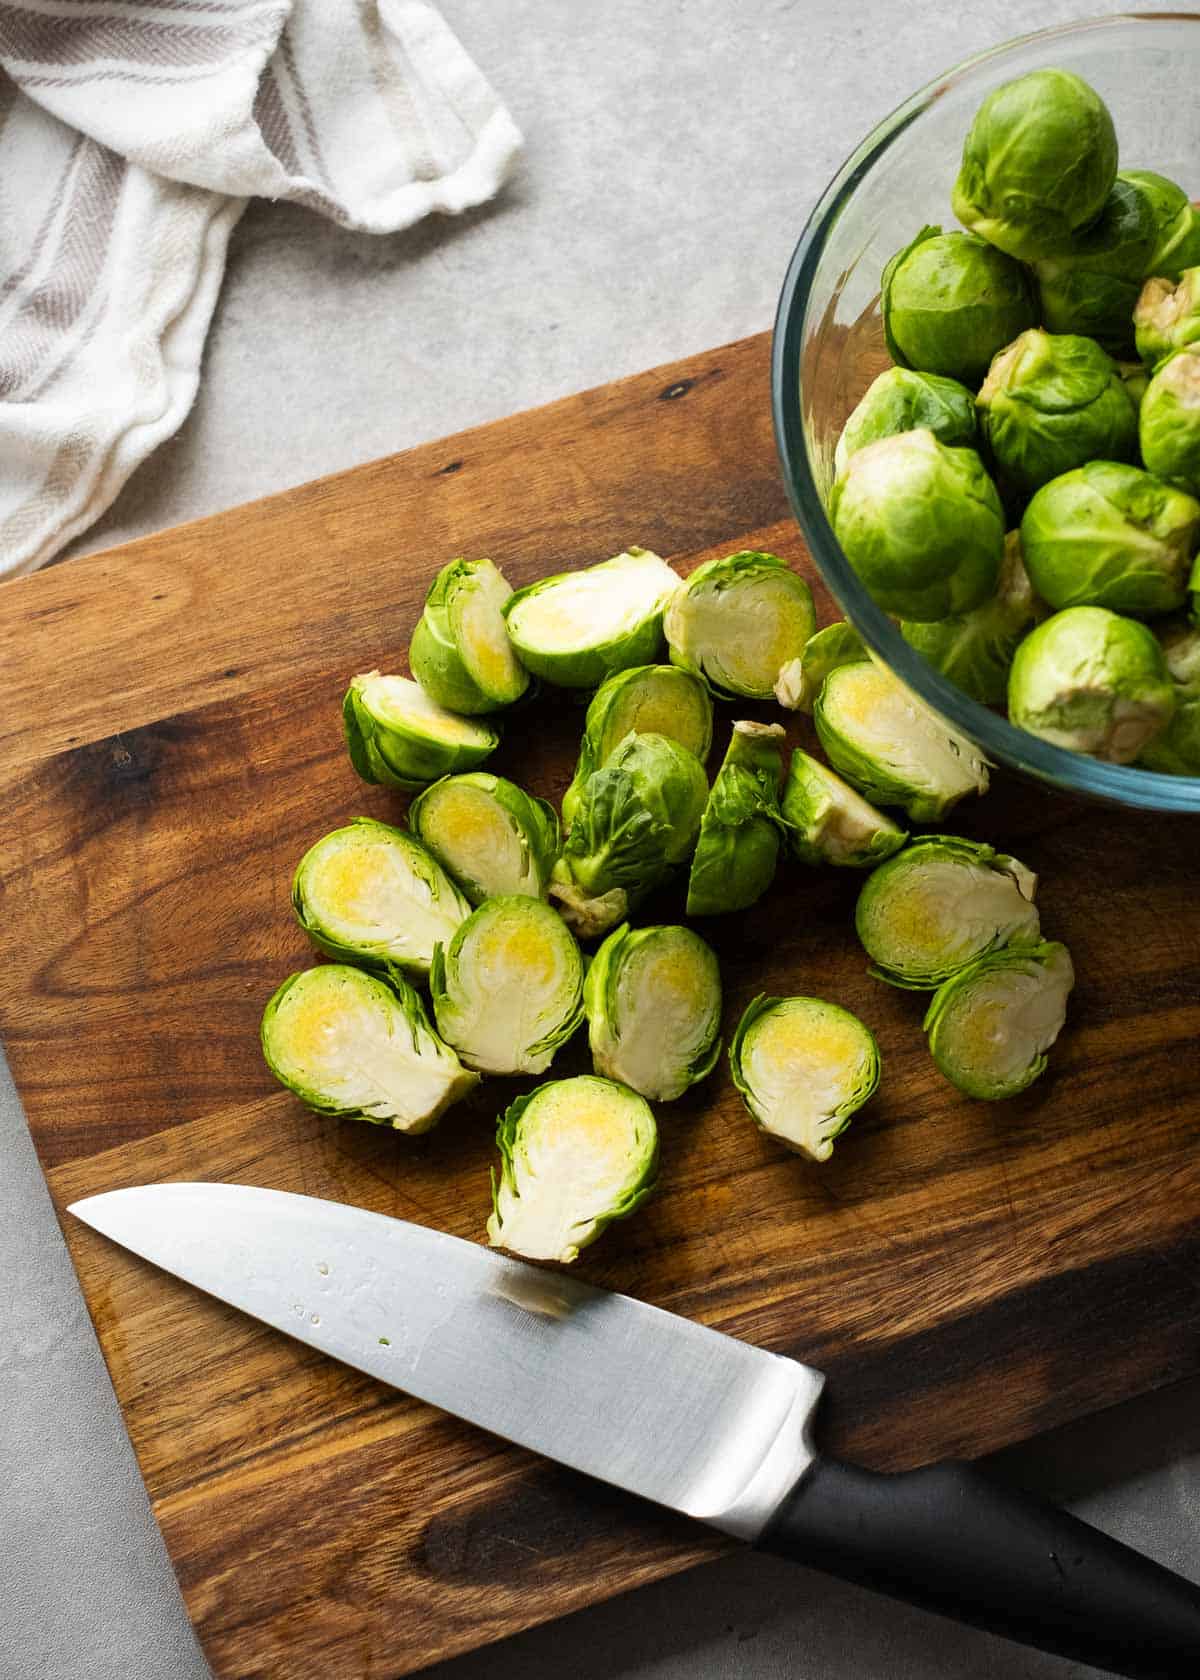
(132, 133)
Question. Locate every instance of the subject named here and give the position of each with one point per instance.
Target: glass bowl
(828, 342)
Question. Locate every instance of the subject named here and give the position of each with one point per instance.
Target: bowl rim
(1074, 772)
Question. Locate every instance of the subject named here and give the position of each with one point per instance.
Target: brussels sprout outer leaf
(488, 834)
(738, 845)
(653, 1002)
(828, 823)
(803, 1067)
(990, 1025)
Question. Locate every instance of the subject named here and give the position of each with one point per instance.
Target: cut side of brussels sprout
(646, 700)
(736, 622)
(1092, 288)
(1109, 535)
(653, 1001)
(902, 400)
(938, 905)
(800, 680)
(370, 893)
(738, 844)
(636, 818)
(1167, 316)
(974, 650)
(1169, 420)
(574, 1155)
(827, 822)
(460, 652)
(1093, 682)
(949, 302)
(803, 1067)
(890, 747)
(397, 735)
(508, 989)
(577, 628)
(990, 1026)
(488, 834)
(360, 1047)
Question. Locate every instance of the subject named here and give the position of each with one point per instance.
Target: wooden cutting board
(170, 744)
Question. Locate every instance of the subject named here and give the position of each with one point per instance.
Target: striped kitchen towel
(132, 133)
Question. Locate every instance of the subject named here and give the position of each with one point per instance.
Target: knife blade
(661, 1406)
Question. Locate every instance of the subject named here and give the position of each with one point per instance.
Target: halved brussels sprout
(653, 1001)
(574, 1155)
(1177, 239)
(949, 302)
(1051, 402)
(938, 905)
(1169, 419)
(803, 1067)
(800, 680)
(1092, 287)
(508, 989)
(827, 822)
(460, 652)
(901, 400)
(577, 628)
(892, 748)
(1167, 316)
(738, 844)
(1109, 535)
(1038, 163)
(736, 622)
(1093, 682)
(1176, 752)
(654, 699)
(636, 817)
(360, 1047)
(921, 524)
(974, 650)
(397, 735)
(369, 893)
(488, 834)
(990, 1025)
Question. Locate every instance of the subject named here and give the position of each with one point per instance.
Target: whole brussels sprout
(654, 699)
(921, 524)
(990, 1026)
(1169, 419)
(974, 650)
(1176, 752)
(1051, 402)
(1038, 163)
(1110, 535)
(1167, 316)
(736, 622)
(1177, 224)
(949, 302)
(1092, 287)
(460, 652)
(1093, 682)
(800, 680)
(900, 400)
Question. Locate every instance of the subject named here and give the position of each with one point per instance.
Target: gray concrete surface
(674, 150)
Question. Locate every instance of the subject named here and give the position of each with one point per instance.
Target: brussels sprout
(949, 302)
(460, 652)
(397, 735)
(827, 822)
(1177, 238)
(892, 748)
(508, 990)
(1108, 535)
(1167, 316)
(654, 699)
(488, 834)
(1169, 421)
(800, 680)
(574, 1155)
(974, 650)
(803, 1067)
(1093, 682)
(921, 524)
(1092, 287)
(371, 894)
(1176, 752)
(938, 905)
(990, 1025)
(736, 622)
(653, 1001)
(359, 1046)
(1051, 402)
(1135, 379)
(1038, 163)
(903, 400)
(577, 628)
(738, 844)
(636, 817)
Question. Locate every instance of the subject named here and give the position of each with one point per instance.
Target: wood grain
(965, 1274)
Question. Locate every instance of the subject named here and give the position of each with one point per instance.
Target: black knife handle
(951, 1540)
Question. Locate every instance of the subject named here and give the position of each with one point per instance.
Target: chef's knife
(660, 1406)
